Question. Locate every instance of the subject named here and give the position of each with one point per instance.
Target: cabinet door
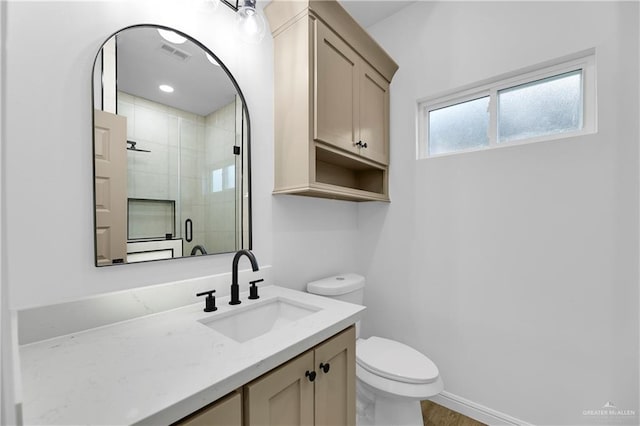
(335, 389)
(374, 115)
(225, 412)
(336, 90)
(283, 397)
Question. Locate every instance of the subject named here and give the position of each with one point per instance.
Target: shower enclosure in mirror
(171, 150)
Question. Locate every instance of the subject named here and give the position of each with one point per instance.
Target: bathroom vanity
(288, 352)
(316, 387)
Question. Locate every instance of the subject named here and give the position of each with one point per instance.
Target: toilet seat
(391, 378)
(394, 389)
(395, 361)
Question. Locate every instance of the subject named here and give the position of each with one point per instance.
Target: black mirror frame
(245, 110)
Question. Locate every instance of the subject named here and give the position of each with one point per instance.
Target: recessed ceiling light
(166, 88)
(171, 36)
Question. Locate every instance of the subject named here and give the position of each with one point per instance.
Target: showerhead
(132, 147)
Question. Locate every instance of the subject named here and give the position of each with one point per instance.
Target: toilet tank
(345, 287)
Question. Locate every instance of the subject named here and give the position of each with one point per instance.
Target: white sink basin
(256, 319)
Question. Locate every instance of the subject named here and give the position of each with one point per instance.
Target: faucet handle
(210, 301)
(253, 290)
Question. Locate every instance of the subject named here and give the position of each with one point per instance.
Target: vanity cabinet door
(289, 396)
(335, 390)
(224, 412)
(336, 90)
(282, 397)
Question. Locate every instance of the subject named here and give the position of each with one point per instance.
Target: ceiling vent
(175, 52)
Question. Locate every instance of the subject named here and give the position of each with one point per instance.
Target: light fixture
(250, 23)
(233, 4)
(166, 88)
(171, 36)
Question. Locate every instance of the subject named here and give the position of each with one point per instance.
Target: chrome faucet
(235, 288)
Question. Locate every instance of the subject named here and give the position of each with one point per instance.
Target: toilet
(391, 377)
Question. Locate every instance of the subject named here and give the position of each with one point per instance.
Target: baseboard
(476, 411)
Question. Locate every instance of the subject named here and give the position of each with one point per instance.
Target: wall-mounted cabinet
(352, 99)
(331, 103)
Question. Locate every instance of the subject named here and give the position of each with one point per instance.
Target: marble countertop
(159, 368)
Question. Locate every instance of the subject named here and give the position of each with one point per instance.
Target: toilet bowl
(391, 377)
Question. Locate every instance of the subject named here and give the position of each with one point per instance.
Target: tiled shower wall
(183, 166)
(219, 202)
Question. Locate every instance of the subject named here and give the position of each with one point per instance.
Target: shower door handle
(188, 230)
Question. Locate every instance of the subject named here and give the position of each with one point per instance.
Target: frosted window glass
(459, 127)
(543, 107)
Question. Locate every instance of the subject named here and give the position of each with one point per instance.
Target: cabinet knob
(325, 367)
(360, 144)
(311, 375)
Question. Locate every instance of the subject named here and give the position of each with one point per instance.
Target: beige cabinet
(226, 411)
(331, 84)
(283, 396)
(316, 388)
(373, 115)
(352, 99)
(335, 384)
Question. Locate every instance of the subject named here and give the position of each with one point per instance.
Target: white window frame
(584, 61)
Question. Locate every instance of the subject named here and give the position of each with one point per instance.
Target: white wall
(515, 270)
(7, 397)
(49, 213)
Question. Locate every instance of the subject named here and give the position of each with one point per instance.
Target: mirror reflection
(171, 150)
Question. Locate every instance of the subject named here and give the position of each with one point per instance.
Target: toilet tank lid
(336, 285)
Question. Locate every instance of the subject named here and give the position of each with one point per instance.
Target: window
(459, 127)
(222, 179)
(553, 102)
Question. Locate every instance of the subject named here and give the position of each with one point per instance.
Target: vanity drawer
(226, 411)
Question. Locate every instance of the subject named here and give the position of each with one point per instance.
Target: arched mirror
(171, 150)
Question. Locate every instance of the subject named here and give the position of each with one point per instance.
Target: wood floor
(437, 415)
